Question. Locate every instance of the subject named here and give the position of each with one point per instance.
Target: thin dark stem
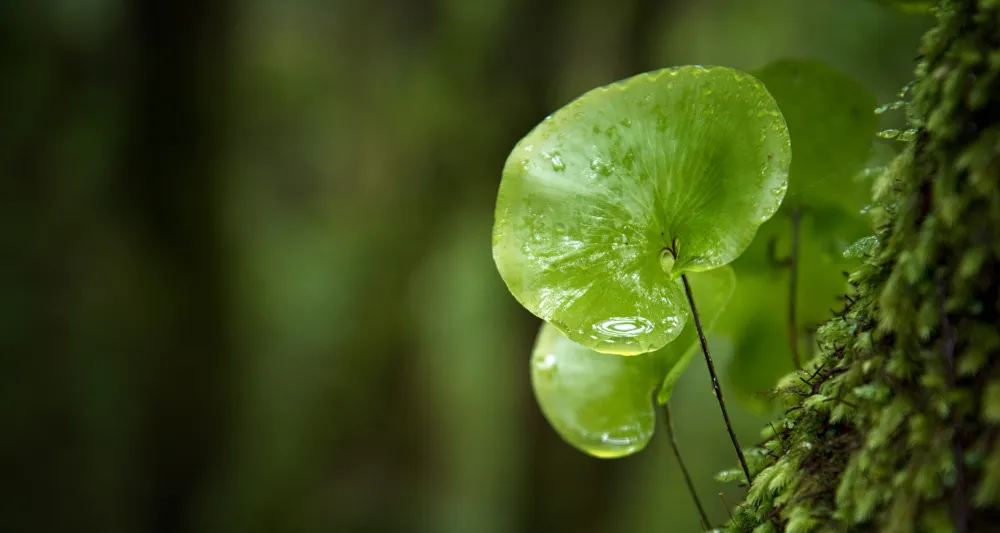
(793, 329)
(668, 422)
(715, 379)
(725, 504)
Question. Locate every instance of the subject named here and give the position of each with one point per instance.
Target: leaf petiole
(715, 379)
(793, 330)
(668, 422)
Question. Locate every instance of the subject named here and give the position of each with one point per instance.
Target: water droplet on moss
(557, 163)
(890, 133)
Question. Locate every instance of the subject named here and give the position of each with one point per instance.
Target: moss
(894, 425)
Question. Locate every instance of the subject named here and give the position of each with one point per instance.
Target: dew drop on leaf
(667, 261)
(557, 164)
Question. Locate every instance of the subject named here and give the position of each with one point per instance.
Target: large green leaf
(832, 122)
(691, 157)
(603, 404)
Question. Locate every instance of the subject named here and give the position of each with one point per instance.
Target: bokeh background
(245, 271)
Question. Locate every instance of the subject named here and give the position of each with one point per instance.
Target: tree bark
(894, 426)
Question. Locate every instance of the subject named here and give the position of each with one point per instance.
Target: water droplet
(891, 106)
(667, 261)
(872, 171)
(908, 135)
(629, 159)
(861, 248)
(624, 327)
(600, 166)
(547, 363)
(890, 133)
(606, 438)
(906, 89)
(557, 163)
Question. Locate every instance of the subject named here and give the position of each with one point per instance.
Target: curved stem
(793, 330)
(715, 379)
(668, 422)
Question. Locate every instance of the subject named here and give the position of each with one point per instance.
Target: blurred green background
(245, 271)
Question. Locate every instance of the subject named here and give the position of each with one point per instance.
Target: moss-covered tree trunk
(894, 428)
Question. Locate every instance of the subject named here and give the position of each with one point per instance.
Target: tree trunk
(894, 427)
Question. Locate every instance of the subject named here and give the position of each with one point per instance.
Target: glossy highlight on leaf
(602, 403)
(689, 158)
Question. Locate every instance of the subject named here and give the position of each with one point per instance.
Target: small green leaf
(599, 403)
(603, 404)
(692, 158)
(861, 248)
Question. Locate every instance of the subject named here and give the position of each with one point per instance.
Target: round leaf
(692, 158)
(603, 404)
(600, 403)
